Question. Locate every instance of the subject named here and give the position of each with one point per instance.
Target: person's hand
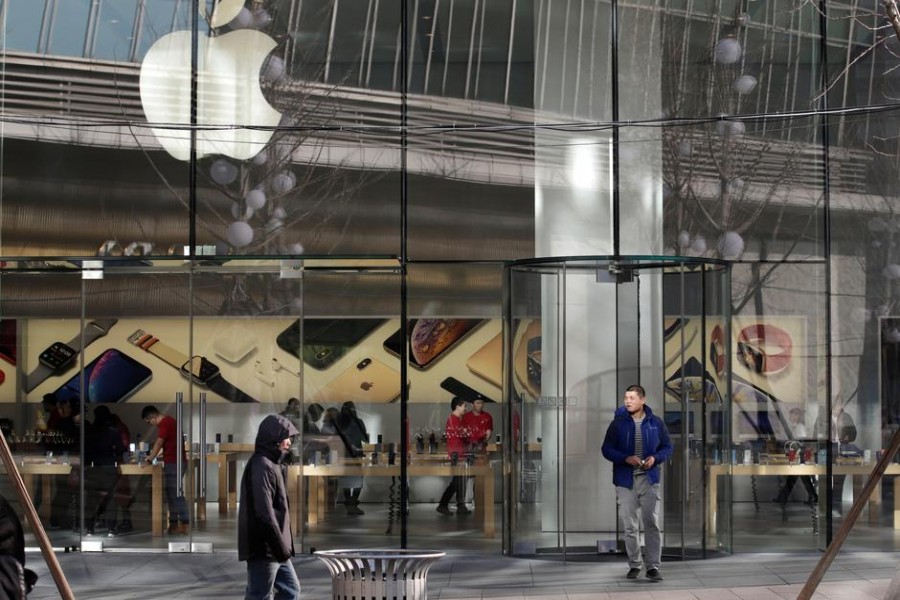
(648, 462)
(634, 461)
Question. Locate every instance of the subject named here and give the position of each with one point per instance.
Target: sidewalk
(144, 576)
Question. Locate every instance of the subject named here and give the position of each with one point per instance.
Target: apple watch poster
(111, 377)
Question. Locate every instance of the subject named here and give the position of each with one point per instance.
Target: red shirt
(168, 431)
(478, 426)
(455, 436)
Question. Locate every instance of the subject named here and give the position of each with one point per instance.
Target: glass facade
(328, 201)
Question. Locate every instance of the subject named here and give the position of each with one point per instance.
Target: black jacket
(264, 519)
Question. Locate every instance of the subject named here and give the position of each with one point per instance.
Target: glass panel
(158, 19)
(22, 28)
(350, 415)
(239, 313)
(114, 34)
(68, 27)
(46, 431)
(777, 418)
(454, 351)
(126, 499)
(298, 182)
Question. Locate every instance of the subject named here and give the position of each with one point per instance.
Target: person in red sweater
(456, 449)
(168, 443)
(478, 425)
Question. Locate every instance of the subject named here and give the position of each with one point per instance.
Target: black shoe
(654, 574)
(633, 573)
(444, 510)
(461, 510)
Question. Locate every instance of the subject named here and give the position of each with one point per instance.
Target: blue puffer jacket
(619, 445)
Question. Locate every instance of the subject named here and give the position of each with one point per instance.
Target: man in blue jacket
(636, 443)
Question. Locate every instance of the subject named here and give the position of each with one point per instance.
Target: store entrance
(583, 330)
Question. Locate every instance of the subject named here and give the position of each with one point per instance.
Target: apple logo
(228, 90)
(366, 386)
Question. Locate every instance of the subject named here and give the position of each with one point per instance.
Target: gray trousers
(640, 503)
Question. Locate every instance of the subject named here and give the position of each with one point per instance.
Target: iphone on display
(368, 380)
(429, 339)
(111, 377)
(488, 361)
(324, 340)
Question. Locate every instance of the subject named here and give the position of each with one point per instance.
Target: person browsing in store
(168, 444)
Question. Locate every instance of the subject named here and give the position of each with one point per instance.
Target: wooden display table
(314, 476)
(784, 470)
(46, 472)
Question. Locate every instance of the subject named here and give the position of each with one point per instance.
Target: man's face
(285, 445)
(478, 405)
(633, 402)
(152, 420)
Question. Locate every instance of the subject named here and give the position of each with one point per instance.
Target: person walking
(636, 443)
(264, 517)
(456, 449)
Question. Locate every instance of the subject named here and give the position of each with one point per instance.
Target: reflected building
(464, 174)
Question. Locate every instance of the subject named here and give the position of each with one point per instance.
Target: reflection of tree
(284, 199)
(722, 179)
(731, 183)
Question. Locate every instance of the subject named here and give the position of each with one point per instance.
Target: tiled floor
(142, 576)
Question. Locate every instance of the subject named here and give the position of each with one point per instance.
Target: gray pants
(640, 502)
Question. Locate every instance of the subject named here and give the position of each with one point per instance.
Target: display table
(784, 470)
(156, 491)
(46, 472)
(314, 476)
(226, 468)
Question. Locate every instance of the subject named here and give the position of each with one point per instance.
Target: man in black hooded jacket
(264, 521)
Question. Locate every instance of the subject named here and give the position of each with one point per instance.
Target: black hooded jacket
(264, 520)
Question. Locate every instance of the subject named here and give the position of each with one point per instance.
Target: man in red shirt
(478, 425)
(456, 450)
(168, 443)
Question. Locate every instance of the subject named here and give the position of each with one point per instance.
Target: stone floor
(468, 576)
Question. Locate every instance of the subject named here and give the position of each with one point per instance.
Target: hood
(621, 412)
(272, 431)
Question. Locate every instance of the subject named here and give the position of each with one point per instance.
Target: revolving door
(580, 331)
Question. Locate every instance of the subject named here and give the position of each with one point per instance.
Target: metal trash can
(381, 574)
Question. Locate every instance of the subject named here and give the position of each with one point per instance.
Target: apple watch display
(200, 370)
(58, 356)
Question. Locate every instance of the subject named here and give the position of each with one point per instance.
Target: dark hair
(314, 411)
(636, 388)
(455, 402)
(149, 411)
(102, 415)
